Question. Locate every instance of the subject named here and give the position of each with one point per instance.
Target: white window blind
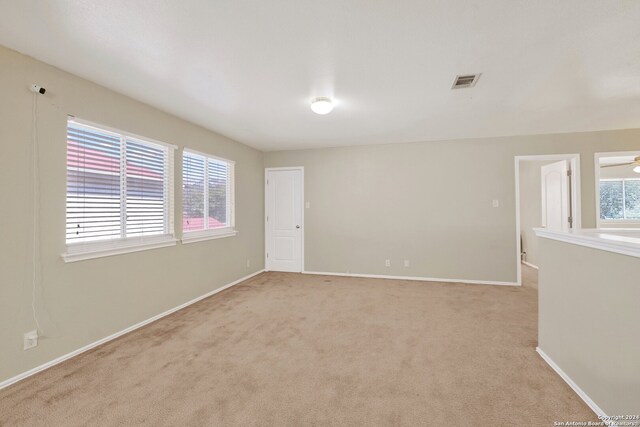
(219, 182)
(119, 187)
(207, 194)
(146, 201)
(94, 208)
(193, 178)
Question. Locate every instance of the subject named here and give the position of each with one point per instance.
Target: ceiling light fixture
(636, 169)
(322, 105)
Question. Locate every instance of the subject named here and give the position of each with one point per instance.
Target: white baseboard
(74, 353)
(530, 265)
(594, 407)
(420, 279)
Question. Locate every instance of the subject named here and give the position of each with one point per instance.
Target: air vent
(465, 80)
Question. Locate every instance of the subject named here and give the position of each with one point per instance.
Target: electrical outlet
(248, 263)
(30, 340)
(406, 263)
(387, 263)
(496, 203)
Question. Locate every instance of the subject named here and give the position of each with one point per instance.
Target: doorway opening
(547, 196)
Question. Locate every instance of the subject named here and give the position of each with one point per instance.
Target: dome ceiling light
(322, 105)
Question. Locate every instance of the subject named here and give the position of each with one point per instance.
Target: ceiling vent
(465, 80)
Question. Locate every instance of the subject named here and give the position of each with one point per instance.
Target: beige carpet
(291, 349)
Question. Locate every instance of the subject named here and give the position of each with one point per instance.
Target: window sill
(84, 251)
(619, 222)
(199, 236)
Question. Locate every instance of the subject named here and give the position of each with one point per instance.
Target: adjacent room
(290, 213)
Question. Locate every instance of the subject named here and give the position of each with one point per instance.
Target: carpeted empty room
(324, 213)
(292, 349)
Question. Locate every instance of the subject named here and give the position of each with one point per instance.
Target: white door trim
(576, 206)
(266, 209)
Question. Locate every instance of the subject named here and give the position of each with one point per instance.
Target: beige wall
(79, 303)
(428, 202)
(588, 321)
(530, 206)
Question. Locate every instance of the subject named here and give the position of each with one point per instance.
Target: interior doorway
(284, 219)
(547, 196)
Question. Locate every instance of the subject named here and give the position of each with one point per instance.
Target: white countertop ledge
(620, 241)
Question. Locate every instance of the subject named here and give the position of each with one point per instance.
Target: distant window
(207, 196)
(620, 199)
(119, 188)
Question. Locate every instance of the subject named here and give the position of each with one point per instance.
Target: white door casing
(555, 196)
(284, 219)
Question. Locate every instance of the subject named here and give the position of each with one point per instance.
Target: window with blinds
(119, 187)
(207, 195)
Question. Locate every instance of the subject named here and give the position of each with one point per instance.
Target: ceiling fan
(635, 163)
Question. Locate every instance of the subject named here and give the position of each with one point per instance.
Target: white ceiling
(248, 69)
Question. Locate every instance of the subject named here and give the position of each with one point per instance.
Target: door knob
(297, 226)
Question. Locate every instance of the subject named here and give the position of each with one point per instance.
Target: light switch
(307, 205)
(496, 203)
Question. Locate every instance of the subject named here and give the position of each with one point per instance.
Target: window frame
(78, 251)
(211, 233)
(612, 223)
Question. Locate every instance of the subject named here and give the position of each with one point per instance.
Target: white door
(284, 237)
(555, 196)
